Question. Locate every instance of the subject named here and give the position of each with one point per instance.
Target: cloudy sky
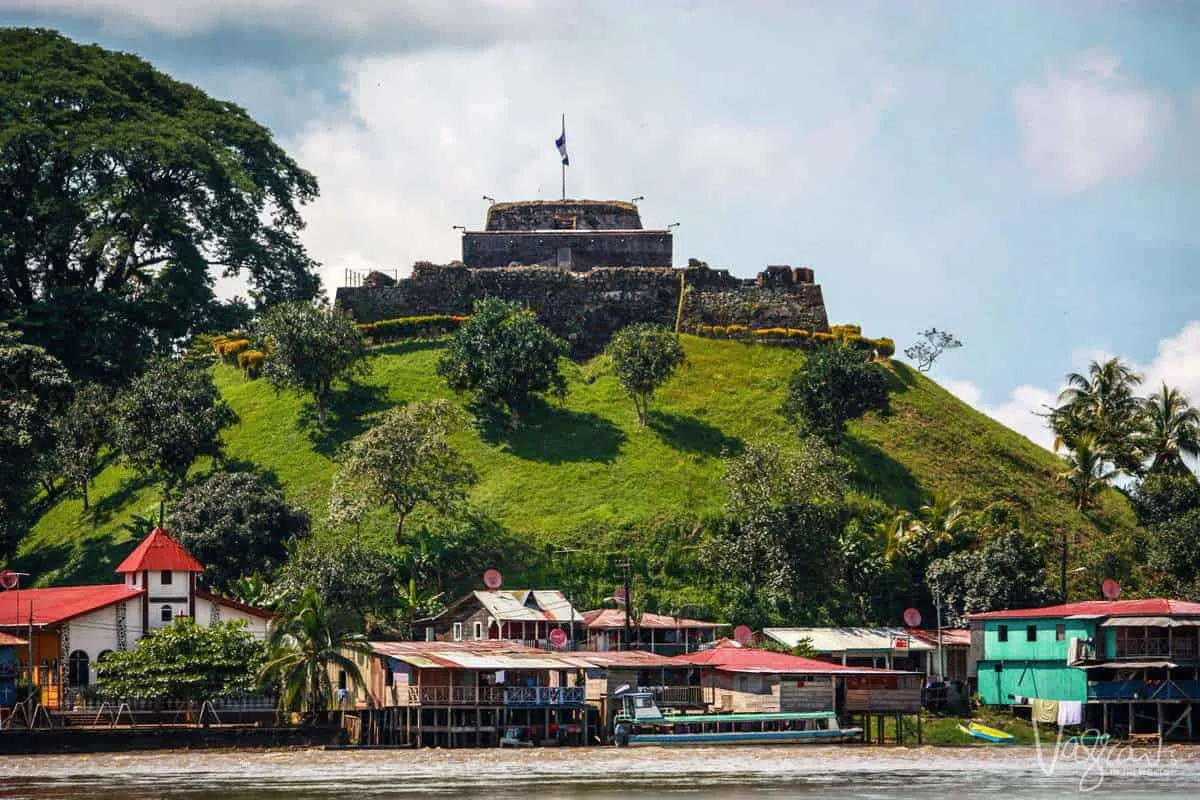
(1023, 174)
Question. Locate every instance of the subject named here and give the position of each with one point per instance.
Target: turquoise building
(1134, 664)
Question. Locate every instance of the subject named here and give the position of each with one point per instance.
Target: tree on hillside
(402, 461)
(1009, 571)
(166, 418)
(184, 661)
(644, 357)
(1161, 496)
(79, 434)
(358, 577)
(929, 347)
(1103, 406)
(1175, 554)
(505, 356)
(1087, 472)
(122, 190)
(304, 644)
(785, 512)
(1172, 430)
(34, 387)
(237, 524)
(309, 348)
(835, 385)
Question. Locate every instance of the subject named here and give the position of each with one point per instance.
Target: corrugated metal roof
(851, 640)
(1152, 622)
(613, 618)
(488, 655)
(951, 637)
(1155, 606)
(524, 605)
(749, 659)
(159, 551)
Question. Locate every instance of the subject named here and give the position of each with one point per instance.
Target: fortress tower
(574, 235)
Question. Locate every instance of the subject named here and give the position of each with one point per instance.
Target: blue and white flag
(561, 142)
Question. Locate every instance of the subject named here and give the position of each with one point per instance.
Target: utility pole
(624, 565)
(1063, 566)
(563, 551)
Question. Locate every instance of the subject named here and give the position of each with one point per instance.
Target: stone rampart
(586, 308)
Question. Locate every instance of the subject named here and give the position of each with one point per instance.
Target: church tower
(167, 572)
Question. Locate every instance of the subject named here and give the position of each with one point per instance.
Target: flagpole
(564, 164)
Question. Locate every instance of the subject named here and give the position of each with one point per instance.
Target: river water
(596, 773)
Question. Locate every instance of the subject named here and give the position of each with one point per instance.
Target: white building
(71, 628)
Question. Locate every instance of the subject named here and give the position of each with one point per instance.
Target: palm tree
(1087, 470)
(1172, 429)
(303, 645)
(1103, 404)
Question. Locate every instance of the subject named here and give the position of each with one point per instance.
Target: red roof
(951, 637)
(58, 604)
(7, 641)
(253, 611)
(1153, 607)
(158, 551)
(612, 618)
(752, 659)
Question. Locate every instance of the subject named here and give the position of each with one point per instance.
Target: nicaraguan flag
(561, 143)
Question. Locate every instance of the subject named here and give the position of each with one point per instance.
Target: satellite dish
(9, 579)
(1111, 589)
(558, 637)
(912, 618)
(742, 634)
(492, 579)
(619, 595)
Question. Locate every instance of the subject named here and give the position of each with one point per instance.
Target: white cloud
(1177, 362)
(425, 135)
(1089, 125)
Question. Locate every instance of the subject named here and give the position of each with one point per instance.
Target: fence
(496, 695)
(358, 277)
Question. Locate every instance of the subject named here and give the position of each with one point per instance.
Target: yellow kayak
(987, 734)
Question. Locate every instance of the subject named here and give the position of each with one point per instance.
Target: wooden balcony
(522, 696)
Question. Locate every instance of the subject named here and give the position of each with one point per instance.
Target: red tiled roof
(751, 659)
(611, 618)
(58, 604)
(1156, 606)
(7, 641)
(159, 551)
(225, 601)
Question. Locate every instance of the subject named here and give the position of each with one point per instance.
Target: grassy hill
(584, 467)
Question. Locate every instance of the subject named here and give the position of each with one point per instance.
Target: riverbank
(49, 742)
(599, 773)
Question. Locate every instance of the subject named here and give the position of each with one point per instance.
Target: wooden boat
(641, 723)
(987, 734)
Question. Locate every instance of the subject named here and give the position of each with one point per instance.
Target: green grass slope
(584, 466)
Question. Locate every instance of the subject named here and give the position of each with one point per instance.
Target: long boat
(641, 723)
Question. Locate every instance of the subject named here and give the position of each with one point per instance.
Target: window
(1060, 633)
(478, 631)
(1002, 633)
(166, 577)
(1031, 633)
(341, 679)
(429, 632)
(166, 614)
(389, 677)
(458, 631)
(77, 669)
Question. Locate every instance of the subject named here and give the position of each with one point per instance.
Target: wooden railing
(495, 695)
(678, 695)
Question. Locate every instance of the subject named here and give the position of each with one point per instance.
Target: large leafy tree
(402, 461)
(122, 190)
(1087, 472)
(34, 387)
(779, 547)
(1008, 571)
(1172, 430)
(349, 573)
(304, 644)
(80, 432)
(835, 385)
(237, 524)
(1104, 406)
(166, 418)
(309, 347)
(503, 355)
(184, 661)
(644, 357)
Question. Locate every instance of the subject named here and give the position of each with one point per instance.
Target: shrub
(390, 330)
(845, 331)
(228, 348)
(859, 342)
(797, 333)
(250, 362)
(885, 347)
(735, 331)
(824, 338)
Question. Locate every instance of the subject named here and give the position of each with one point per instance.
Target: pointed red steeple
(159, 551)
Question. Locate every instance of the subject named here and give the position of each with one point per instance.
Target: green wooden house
(1130, 662)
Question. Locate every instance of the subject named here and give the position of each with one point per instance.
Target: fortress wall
(577, 250)
(535, 215)
(587, 308)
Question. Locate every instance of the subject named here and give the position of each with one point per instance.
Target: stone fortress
(589, 268)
